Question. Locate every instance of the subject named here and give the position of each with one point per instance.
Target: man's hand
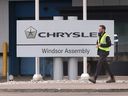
(98, 45)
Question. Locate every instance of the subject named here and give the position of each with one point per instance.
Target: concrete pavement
(65, 85)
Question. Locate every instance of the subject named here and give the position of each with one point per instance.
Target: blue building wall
(23, 11)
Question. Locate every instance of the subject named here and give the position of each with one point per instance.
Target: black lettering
(52, 34)
(76, 34)
(93, 34)
(83, 34)
(60, 34)
(42, 34)
(68, 34)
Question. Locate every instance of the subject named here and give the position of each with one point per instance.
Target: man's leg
(106, 65)
(98, 69)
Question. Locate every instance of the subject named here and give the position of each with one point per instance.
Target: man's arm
(108, 41)
(97, 45)
(97, 42)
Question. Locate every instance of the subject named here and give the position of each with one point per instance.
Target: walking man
(103, 48)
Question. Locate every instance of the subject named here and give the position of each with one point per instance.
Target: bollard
(4, 65)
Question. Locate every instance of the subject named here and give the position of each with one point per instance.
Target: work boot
(111, 81)
(92, 80)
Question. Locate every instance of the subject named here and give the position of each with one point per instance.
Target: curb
(63, 90)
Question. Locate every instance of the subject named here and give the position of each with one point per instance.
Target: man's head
(102, 28)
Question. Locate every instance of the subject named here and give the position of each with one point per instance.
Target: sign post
(85, 75)
(37, 76)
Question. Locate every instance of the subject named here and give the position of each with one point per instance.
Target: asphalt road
(64, 94)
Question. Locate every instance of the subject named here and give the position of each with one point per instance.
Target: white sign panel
(60, 38)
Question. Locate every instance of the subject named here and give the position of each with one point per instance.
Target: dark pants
(103, 61)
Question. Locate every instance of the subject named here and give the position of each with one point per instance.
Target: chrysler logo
(30, 33)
